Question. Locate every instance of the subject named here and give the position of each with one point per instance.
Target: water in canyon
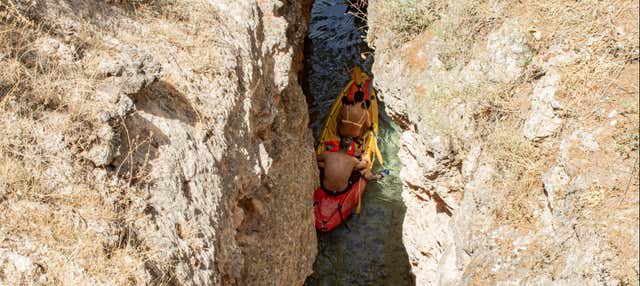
(371, 251)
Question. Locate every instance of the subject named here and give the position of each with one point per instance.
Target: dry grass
(602, 35)
(458, 25)
(607, 42)
(519, 167)
(49, 195)
(404, 19)
(608, 38)
(600, 41)
(60, 222)
(464, 25)
(49, 198)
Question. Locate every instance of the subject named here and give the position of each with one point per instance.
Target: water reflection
(372, 252)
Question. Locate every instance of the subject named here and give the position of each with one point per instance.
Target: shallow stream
(371, 251)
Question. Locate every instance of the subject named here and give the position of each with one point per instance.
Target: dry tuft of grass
(606, 43)
(519, 167)
(53, 209)
(594, 48)
(405, 19)
(81, 219)
(464, 24)
(600, 41)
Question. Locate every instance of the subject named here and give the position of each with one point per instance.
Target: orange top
(364, 87)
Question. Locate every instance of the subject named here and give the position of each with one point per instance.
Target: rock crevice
(184, 133)
(507, 179)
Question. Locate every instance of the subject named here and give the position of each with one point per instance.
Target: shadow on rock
(164, 100)
(140, 144)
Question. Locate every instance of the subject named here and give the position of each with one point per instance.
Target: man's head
(358, 96)
(345, 143)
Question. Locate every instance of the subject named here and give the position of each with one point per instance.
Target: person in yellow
(354, 117)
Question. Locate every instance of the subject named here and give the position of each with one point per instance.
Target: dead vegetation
(592, 45)
(56, 208)
(605, 46)
(78, 217)
(405, 19)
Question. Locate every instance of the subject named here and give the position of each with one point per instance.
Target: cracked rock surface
(155, 147)
(511, 174)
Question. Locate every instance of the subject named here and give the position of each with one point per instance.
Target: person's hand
(362, 164)
(365, 160)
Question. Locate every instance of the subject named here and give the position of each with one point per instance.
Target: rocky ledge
(520, 142)
(153, 142)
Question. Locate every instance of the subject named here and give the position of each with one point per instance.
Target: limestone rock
(543, 120)
(55, 49)
(19, 268)
(510, 196)
(554, 180)
(136, 67)
(133, 68)
(171, 159)
(508, 52)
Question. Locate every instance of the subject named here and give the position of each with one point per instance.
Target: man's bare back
(337, 169)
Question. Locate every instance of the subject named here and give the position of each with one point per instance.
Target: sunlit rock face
(506, 180)
(178, 151)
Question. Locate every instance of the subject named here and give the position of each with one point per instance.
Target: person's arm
(361, 164)
(321, 159)
(368, 124)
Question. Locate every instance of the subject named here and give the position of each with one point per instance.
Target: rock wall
(520, 142)
(153, 142)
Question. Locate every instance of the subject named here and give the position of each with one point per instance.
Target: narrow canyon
(156, 142)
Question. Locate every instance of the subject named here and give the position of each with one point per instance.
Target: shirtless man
(354, 118)
(338, 167)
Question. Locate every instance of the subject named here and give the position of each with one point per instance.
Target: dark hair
(345, 143)
(358, 96)
(346, 101)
